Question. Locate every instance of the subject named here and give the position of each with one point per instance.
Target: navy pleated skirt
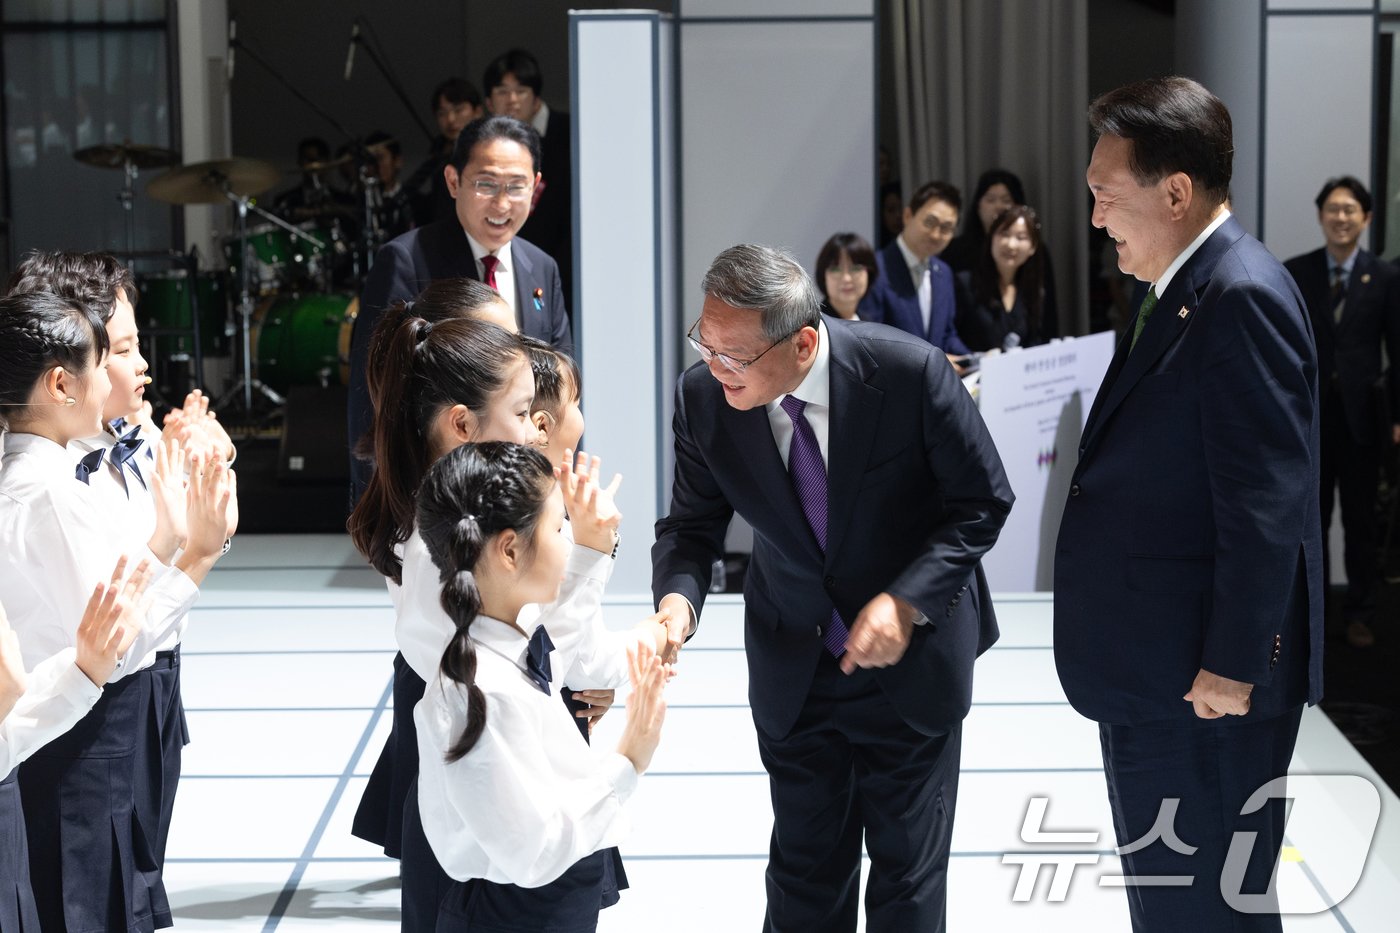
(18, 911)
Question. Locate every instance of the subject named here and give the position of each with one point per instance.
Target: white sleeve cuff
(618, 770)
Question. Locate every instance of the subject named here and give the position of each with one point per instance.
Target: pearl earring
(70, 400)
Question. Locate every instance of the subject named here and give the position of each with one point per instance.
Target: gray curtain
(983, 84)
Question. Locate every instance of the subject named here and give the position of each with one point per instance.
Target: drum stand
(246, 383)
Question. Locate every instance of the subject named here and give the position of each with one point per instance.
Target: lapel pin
(1183, 312)
(539, 299)
(1365, 278)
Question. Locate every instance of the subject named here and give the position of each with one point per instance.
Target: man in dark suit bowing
(1354, 300)
(1188, 570)
(491, 177)
(915, 290)
(873, 490)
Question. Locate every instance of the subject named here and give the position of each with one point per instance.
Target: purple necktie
(809, 480)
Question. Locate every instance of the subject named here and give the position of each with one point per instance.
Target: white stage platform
(286, 681)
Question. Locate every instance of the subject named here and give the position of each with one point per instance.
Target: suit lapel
(1167, 323)
(854, 419)
(524, 285)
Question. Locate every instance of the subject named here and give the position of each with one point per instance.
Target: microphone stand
(392, 79)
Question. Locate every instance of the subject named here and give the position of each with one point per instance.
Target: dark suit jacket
(404, 266)
(985, 325)
(1191, 537)
(893, 299)
(917, 495)
(1351, 349)
(551, 224)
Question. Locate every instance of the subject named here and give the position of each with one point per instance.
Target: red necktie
(489, 263)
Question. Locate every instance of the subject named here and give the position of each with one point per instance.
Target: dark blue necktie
(88, 465)
(808, 474)
(537, 659)
(125, 449)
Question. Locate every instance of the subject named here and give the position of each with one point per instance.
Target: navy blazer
(893, 300)
(1191, 537)
(916, 496)
(1350, 349)
(405, 266)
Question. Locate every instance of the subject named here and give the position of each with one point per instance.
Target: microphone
(232, 44)
(350, 52)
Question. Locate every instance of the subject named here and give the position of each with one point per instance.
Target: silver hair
(766, 280)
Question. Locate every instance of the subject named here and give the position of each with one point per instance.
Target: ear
(509, 550)
(542, 423)
(450, 175)
(908, 215)
(806, 343)
(1179, 194)
(58, 385)
(538, 176)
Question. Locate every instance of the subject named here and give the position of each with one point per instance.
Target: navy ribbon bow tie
(537, 659)
(88, 465)
(125, 449)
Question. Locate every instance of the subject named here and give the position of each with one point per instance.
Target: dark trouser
(850, 768)
(1353, 471)
(568, 904)
(1212, 769)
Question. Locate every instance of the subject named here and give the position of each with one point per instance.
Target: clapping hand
(592, 509)
(111, 621)
(168, 495)
(646, 709)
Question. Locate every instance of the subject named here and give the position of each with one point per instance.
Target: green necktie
(1148, 304)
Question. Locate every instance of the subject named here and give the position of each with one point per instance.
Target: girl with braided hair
(517, 809)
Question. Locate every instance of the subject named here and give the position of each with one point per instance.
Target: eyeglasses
(1343, 210)
(932, 225)
(489, 190)
(723, 359)
(852, 271)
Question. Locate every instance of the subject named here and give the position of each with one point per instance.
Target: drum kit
(281, 309)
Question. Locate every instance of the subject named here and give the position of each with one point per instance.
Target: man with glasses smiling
(915, 290)
(491, 178)
(873, 490)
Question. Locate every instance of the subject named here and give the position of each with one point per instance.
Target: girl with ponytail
(517, 809)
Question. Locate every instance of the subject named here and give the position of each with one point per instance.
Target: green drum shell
(304, 340)
(271, 252)
(165, 305)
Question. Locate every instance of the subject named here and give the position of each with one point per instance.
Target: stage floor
(286, 681)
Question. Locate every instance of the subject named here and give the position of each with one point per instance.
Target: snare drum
(270, 253)
(165, 306)
(304, 340)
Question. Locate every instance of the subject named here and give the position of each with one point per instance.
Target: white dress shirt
(57, 541)
(923, 282)
(586, 654)
(56, 695)
(129, 499)
(505, 271)
(531, 798)
(815, 390)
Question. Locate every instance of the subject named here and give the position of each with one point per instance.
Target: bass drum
(304, 340)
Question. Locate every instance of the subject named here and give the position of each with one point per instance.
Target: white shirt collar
(40, 449)
(540, 121)
(501, 638)
(503, 254)
(1159, 287)
(910, 260)
(815, 387)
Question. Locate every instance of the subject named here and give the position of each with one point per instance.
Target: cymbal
(312, 168)
(117, 155)
(204, 182)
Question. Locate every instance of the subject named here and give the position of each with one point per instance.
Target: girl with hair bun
(517, 810)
